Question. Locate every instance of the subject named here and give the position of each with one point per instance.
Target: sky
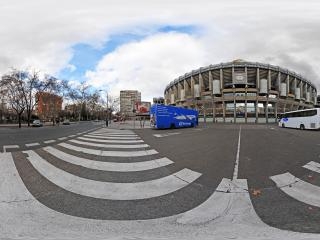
(144, 45)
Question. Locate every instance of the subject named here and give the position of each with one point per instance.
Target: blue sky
(86, 57)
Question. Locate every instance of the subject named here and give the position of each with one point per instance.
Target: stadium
(241, 92)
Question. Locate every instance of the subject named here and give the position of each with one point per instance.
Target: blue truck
(166, 116)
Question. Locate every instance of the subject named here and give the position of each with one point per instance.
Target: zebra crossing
(83, 180)
(108, 168)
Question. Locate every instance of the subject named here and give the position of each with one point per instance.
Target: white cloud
(40, 34)
(71, 67)
(149, 64)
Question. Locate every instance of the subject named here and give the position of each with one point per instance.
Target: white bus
(303, 119)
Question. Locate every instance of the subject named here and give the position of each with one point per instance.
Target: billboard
(143, 107)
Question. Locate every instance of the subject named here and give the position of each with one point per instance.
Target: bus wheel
(283, 125)
(302, 127)
(172, 126)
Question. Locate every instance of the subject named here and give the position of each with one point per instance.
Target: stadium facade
(242, 92)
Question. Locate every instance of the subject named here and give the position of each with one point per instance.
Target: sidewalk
(16, 125)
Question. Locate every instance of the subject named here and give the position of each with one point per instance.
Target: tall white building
(128, 99)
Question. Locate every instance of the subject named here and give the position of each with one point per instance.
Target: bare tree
(57, 91)
(13, 87)
(80, 96)
(114, 103)
(93, 101)
(30, 85)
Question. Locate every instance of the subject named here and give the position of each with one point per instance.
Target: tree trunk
(29, 117)
(19, 119)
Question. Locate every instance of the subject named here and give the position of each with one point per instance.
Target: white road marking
(71, 136)
(313, 166)
(109, 190)
(115, 138)
(32, 144)
(62, 138)
(109, 166)
(165, 134)
(18, 205)
(109, 153)
(110, 141)
(298, 189)
(115, 135)
(49, 141)
(236, 165)
(217, 204)
(110, 131)
(109, 145)
(5, 147)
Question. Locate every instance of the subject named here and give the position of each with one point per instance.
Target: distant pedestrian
(107, 122)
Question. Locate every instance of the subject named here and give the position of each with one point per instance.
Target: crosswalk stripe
(5, 147)
(313, 166)
(217, 203)
(109, 141)
(113, 132)
(298, 189)
(108, 190)
(115, 138)
(109, 153)
(109, 145)
(32, 144)
(109, 166)
(62, 138)
(115, 135)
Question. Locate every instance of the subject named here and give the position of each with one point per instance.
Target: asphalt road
(27, 135)
(265, 151)
(199, 159)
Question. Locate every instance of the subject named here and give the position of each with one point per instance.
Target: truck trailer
(166, 116)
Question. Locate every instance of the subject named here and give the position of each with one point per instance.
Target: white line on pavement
(109, 166)
(109, 190)
(109, 131)
(236, 165)
(165, 134)
(62, 138)
(109, 153)
(298, 189)
(313, 166)
(115, 138)
(125, 146)
(49, 141)
(217, 205)
(32, 144)
(5, 147)
(115, 135)
(110, 141)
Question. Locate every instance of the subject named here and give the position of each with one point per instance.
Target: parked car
(66, 122)
(37, 123)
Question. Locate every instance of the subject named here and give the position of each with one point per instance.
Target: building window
(229, 109)
(240, 110)
(251, 110)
